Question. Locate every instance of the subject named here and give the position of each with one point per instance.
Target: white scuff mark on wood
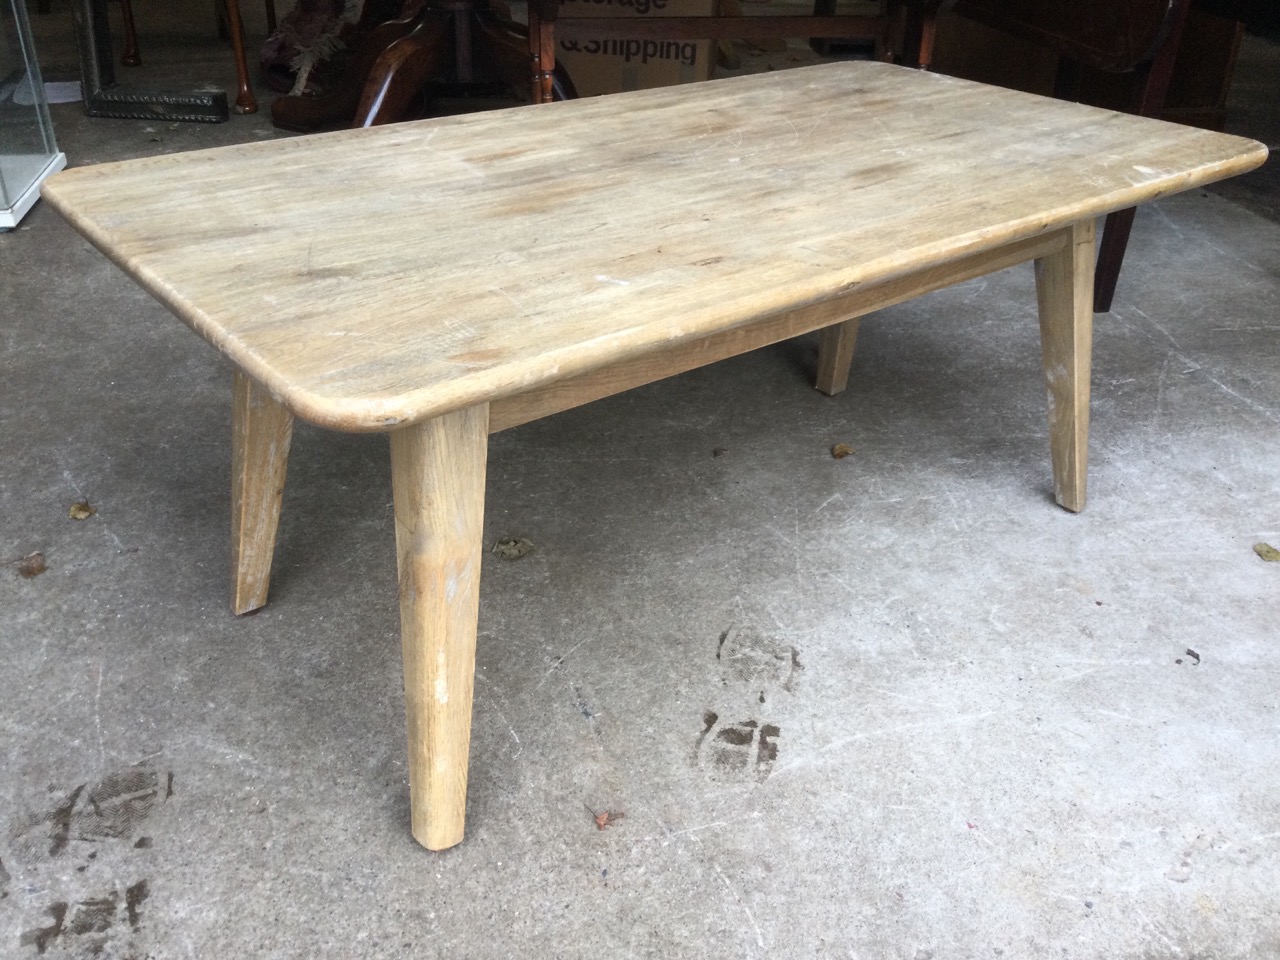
(508, 296)
(605, 278)
(442, 677)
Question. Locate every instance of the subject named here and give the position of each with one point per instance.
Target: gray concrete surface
(979, 726)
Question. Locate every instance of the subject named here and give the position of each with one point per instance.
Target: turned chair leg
(542, 50)
(245, 102)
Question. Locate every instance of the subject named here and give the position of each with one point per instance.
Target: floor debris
(1267, 552)
(606, 818)
(32, 565)
(513, 548)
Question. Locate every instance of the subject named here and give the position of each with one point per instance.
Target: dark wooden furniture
(1203, 69)
(440, 43)
(463, 41)
(1135, 37)
(546, 26)
(229, 24)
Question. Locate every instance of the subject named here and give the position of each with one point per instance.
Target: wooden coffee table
(447, 279)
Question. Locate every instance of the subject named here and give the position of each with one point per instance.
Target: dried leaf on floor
(81, 510)
(841, 450)
(513, 548)
(32, 565)
(1267, 552)
(606, 818)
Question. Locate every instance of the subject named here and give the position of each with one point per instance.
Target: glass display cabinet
(28, 153)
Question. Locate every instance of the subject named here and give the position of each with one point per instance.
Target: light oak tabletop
(374, 278)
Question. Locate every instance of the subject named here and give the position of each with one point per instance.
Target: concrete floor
(893, 706)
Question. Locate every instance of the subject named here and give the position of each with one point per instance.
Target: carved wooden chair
(431, 43)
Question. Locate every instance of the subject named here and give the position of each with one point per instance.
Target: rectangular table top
(378, 277)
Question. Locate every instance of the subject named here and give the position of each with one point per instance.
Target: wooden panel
(405, 271)
(636, 371)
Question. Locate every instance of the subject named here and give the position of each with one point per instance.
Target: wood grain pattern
(479, 257)
(691, 354)
(261, 432)
(437, 478)
(1064, 288)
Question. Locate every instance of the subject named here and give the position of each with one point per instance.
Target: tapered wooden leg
(261, 430)
(1064, 285)
(1115, 238)
(835, 356)
(437, 476)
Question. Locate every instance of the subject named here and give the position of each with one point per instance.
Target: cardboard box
(599, 65)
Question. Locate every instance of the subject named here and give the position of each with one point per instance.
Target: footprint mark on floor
(92, 921)
(112, 808)
(96, 915)
(748, 657)
(743, 750)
